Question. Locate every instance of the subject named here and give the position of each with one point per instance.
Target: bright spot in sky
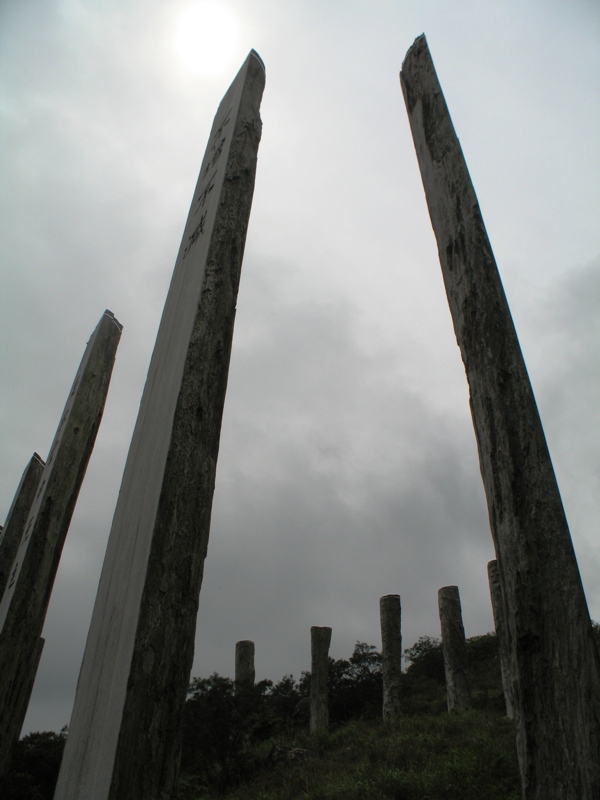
(206, 37)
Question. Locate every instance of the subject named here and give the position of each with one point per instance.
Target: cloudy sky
(348, 467)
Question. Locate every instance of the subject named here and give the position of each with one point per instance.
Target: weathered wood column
(10, 539)
(10, 536)
(391, 652)
(244, 665)
(454, 647)
(125, 731)
(499, 613)
(27, 594)
(320, 639)
(555, 660)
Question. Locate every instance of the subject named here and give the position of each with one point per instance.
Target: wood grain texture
(10, 537)
(499, 613)
(124, 737)
(391, 654)
(454, 647)
(27, 594)
(556, 665)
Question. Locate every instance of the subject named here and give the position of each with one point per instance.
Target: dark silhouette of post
(125, 732)
(244, 665)
(27, 594)
(320, 639)
(454, 647)
(555, 661)
(499, 612)
(10, 535)
(391, 653)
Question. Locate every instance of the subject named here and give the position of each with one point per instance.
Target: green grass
(446, 757)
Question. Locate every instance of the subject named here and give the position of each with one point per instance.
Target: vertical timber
(245, 673)
(10, 536)
(454, 647)
(125, 732)
(27, 594)
(391, 652)
(555, 662)
(320, 639)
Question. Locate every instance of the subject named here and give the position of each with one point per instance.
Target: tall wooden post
(125, 731)
(320, 639)
(454, 647)
(555, 659)
(27, 594)
(391, 653)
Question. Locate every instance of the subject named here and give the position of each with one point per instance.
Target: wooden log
(454, 647)
(320, 639)
(556, 663)
(391, 653)
(244, 665)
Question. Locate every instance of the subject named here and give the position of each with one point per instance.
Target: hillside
(256, 745)
(429, 757)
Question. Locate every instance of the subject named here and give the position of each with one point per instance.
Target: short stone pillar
(454, 647)
(391, 651)
(320, 639)
(244, 665)
(10, 535)
(499, 612)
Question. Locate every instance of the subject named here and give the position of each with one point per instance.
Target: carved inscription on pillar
(140, 647)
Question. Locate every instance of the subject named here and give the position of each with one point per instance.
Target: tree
(34, 768)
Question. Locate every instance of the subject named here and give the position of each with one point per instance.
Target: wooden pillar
(391, 652)
(27, 594)
(125, 732)
(499, 612)
(320, 639)
(557, 706)
(454, 647)
(10, 535)
(244, 665)
(26, 687)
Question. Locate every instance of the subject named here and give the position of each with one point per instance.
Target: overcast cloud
(348, 467)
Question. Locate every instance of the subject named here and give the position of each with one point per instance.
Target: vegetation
(447, 757)
(35, 766)
(256, 745)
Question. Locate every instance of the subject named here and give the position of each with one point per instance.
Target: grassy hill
(428, 757)
(257, 746)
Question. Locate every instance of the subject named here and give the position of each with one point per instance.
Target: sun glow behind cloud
(206, 36)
